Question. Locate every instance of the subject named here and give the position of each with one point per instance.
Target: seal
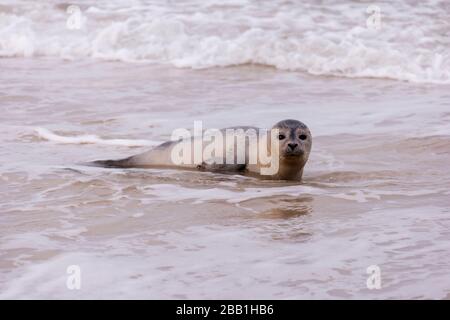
(290, 146)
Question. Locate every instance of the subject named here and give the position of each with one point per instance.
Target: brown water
(375, 191)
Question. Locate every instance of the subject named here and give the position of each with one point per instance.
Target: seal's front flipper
(220, 167)
(122, 163)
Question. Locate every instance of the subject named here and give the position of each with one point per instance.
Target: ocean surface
(109, 79)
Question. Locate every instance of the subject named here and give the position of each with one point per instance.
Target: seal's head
(295, 143)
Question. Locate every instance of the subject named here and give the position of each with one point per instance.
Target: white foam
(168, 192)
(296, 37)
(175, 193)
(92, 139)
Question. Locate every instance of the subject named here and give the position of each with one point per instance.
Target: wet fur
(291, 165)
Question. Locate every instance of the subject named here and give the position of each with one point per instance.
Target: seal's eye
(302, 137)
(281, 136)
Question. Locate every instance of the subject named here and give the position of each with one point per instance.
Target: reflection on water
(289, 208)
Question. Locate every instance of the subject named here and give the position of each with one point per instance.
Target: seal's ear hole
(302, 137)
(281, 136)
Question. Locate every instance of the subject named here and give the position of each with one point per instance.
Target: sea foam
(320, 40)
(91, 139)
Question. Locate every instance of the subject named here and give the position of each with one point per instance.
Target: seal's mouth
(293, 154)
(291, 158)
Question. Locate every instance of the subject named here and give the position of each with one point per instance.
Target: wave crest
(296, 38)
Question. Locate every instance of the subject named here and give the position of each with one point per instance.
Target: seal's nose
(292, 146)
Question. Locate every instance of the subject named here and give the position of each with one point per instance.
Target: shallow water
(375, 191)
